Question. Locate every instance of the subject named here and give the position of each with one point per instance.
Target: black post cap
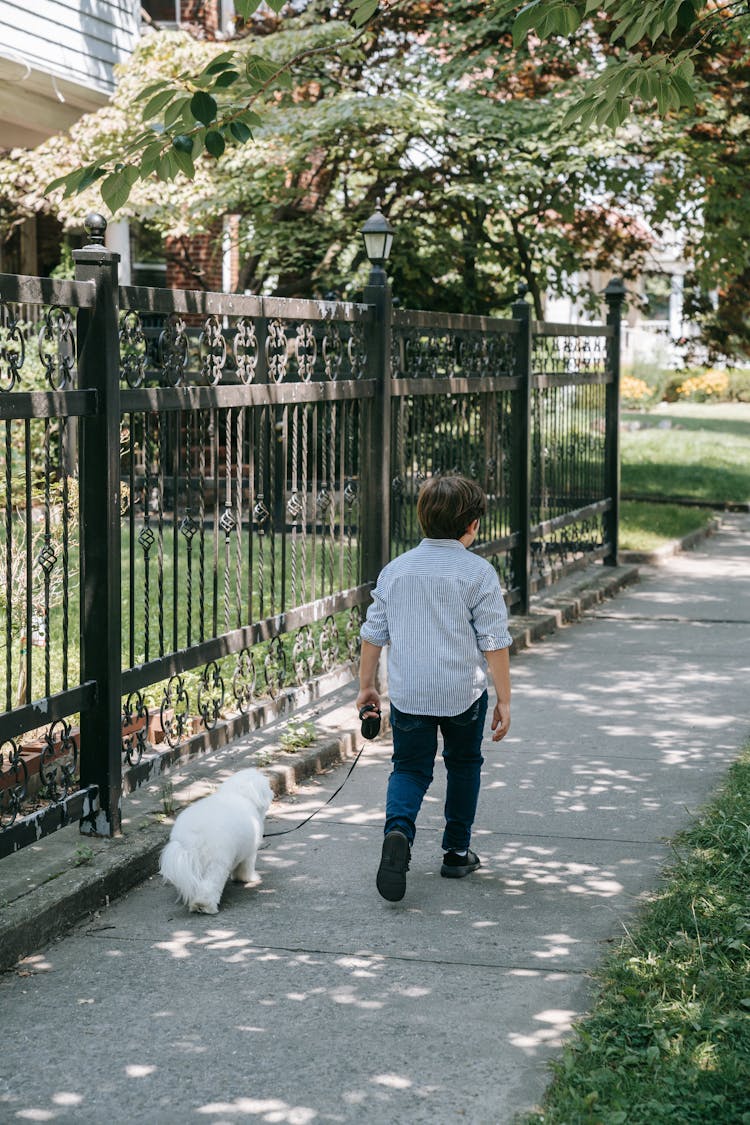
(95, 226)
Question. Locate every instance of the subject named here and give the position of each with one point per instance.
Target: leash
(285, 831)
(369, 731)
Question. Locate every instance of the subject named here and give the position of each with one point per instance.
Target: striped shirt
(438, 607)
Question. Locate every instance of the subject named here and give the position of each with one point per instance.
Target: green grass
(668, 1040)
(704, 454)
(646, 527)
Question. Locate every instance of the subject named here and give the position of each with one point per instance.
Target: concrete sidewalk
(309, 999)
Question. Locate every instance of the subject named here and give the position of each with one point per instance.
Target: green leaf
(91, 173)
(524, 21)
(167, 167)
(150, 158)
(227, 78)
(157, 103)
(203, 107)
(240, 132)
(183, 143)
(245, 8)
(151, 89)
(363, 10)
(259, 70)
(684, 91)
(215, 143)
(117, 186)
(184, 162)
(250, 118)
(175, 110)
(224, 61)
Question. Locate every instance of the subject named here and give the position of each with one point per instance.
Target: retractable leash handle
(370, 718)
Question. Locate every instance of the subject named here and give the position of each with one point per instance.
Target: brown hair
(447, 505)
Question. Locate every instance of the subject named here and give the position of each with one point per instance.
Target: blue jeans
(414, 750)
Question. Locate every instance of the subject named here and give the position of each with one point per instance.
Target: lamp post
(377, 235)
(375, 506)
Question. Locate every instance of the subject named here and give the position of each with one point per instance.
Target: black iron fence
(200, 490)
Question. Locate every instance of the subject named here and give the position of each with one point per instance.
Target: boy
(440, 610)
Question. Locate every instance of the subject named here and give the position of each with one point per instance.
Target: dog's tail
(179, 866)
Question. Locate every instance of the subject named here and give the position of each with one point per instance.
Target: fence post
(375, 504)
(99, 491)
(615, 296)
(520, 506)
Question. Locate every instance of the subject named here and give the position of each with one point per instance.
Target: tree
(438, 114)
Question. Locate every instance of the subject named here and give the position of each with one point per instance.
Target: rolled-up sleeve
(375, 626)
(489, 615)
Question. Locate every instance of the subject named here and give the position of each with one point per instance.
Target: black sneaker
(394, 863)
(456, 866)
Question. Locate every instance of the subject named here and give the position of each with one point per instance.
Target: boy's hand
(367, 695)
(500, 721)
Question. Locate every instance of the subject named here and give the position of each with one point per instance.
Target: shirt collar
(426, 542)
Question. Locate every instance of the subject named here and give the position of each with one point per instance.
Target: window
(148, 261)
(657, 291)
(163, 11)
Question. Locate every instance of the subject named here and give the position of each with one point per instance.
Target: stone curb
(653, 558)
(64, 880)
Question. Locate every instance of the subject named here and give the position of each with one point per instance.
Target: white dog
(216, 838)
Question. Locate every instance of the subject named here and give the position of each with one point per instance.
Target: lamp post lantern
(377, 235)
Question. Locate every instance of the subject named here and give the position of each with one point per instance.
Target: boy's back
(438, 607)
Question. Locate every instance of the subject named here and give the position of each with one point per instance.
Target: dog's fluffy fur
(216, 838)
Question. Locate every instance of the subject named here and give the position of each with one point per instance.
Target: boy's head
(447, 505)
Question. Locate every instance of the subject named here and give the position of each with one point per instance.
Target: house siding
(78, 41)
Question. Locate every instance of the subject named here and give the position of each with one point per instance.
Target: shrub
(739, 385)
(710, 384)
(634, 393)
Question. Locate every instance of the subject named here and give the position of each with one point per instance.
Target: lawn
(668, 1040)
(686, 451)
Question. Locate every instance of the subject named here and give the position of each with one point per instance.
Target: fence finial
(521, 290)
(95, 226)
(615, 290)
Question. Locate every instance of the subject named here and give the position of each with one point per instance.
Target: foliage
(650, 49)
(669, 1037)
(438, 114)
(297, 735)
(706, 386)
(634, 392)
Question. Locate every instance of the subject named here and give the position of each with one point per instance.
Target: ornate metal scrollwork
(57, 349)
(246, 350)
(356, 352)
(350, 493)
(306, 352)
(211, 695)
(323, 500)
(212, 348)
(133, 349)
(244, 680)
(277, 355)
(58, 762)
(304, 654)
(174, 351)
(328, 644)
(352, 637)
(12, 349)
(12, 795)
(333, 352)
(274, 667)
(134, 714)
(261, 513)
(174, 710)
